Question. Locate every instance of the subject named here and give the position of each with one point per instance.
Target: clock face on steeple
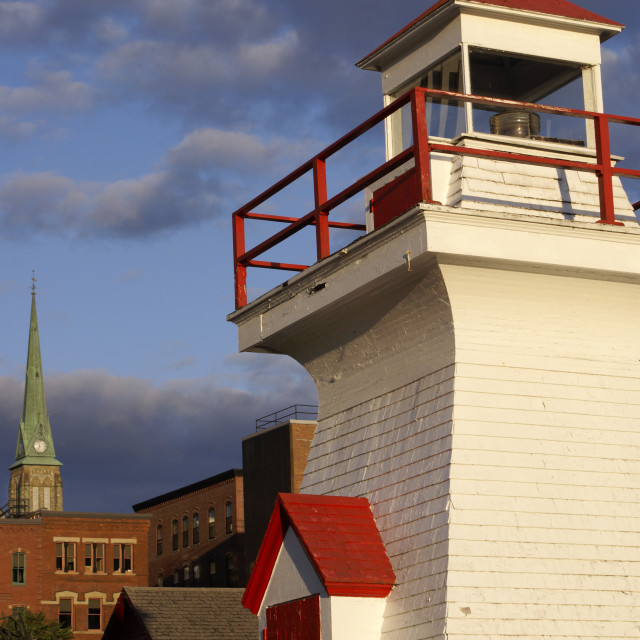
(40, 446)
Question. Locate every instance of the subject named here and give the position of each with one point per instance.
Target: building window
(66, 556)
(94, 621)
(94, 557)
(185, 573)
(185, 531)
(65, 612)
(174, 535)
(122, 558)
(196, 574)
(176, 577)
(212, 523)
(196, 528)
(228, 518)
(159, 540)
(18, 562)
(17, 612)
(160, 582)
(212, 572)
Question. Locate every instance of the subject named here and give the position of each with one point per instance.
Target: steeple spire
(35, 439)
(36, 465)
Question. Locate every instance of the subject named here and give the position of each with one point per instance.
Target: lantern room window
(445, 118)
(503, 75)
(507, 76)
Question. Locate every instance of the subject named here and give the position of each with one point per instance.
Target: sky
(131, 130)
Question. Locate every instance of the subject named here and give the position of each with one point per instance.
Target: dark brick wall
(273, 461)
(218, 550)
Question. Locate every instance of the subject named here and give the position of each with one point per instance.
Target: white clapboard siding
(545, 473)
(506, 485)
(485, 397)
(399, 459)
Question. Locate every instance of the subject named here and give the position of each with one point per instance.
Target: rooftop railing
(294, 412)
(420, 151)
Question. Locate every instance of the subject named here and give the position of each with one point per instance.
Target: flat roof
(190, 488)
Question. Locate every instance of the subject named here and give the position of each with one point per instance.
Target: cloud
(211, 80)
(13, 129)
(258, 87)
(20, 22)
(162, 69)
(209, 147)
(122, 440)
(41, 202)
(196, 181)
(214, 63)
(55, 90)
(267, 58)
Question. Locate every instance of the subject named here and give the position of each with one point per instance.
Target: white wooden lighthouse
(477, 351)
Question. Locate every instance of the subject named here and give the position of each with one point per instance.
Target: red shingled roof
(562, 8)
(340, 538)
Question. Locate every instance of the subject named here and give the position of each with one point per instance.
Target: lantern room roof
(557, 8)
(340, 538)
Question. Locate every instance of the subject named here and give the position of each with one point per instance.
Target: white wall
(486, 399)
(545, 473)
(356, 617)
(293, 577)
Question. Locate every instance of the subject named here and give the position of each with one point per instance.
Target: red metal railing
(421, 150)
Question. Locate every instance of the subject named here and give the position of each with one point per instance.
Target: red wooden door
(295, 620)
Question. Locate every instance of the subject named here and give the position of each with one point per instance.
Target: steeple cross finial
(33, 279)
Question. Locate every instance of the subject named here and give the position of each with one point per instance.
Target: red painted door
(295, 620)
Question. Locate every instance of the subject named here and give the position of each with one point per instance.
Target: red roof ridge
(333, 531)
(561, 8)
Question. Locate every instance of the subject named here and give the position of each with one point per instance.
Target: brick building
(71, 566)
(196, 537)
(273, 460)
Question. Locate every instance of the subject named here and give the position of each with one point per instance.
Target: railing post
(605, 171)
(239, 269)
(421, 146)
(321, 217)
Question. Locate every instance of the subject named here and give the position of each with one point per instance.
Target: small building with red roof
(322, 565)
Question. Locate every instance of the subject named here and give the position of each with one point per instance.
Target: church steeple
(35, 476)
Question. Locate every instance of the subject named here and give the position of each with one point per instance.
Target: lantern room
(489, 106)
(516, 54)
(521, 50)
